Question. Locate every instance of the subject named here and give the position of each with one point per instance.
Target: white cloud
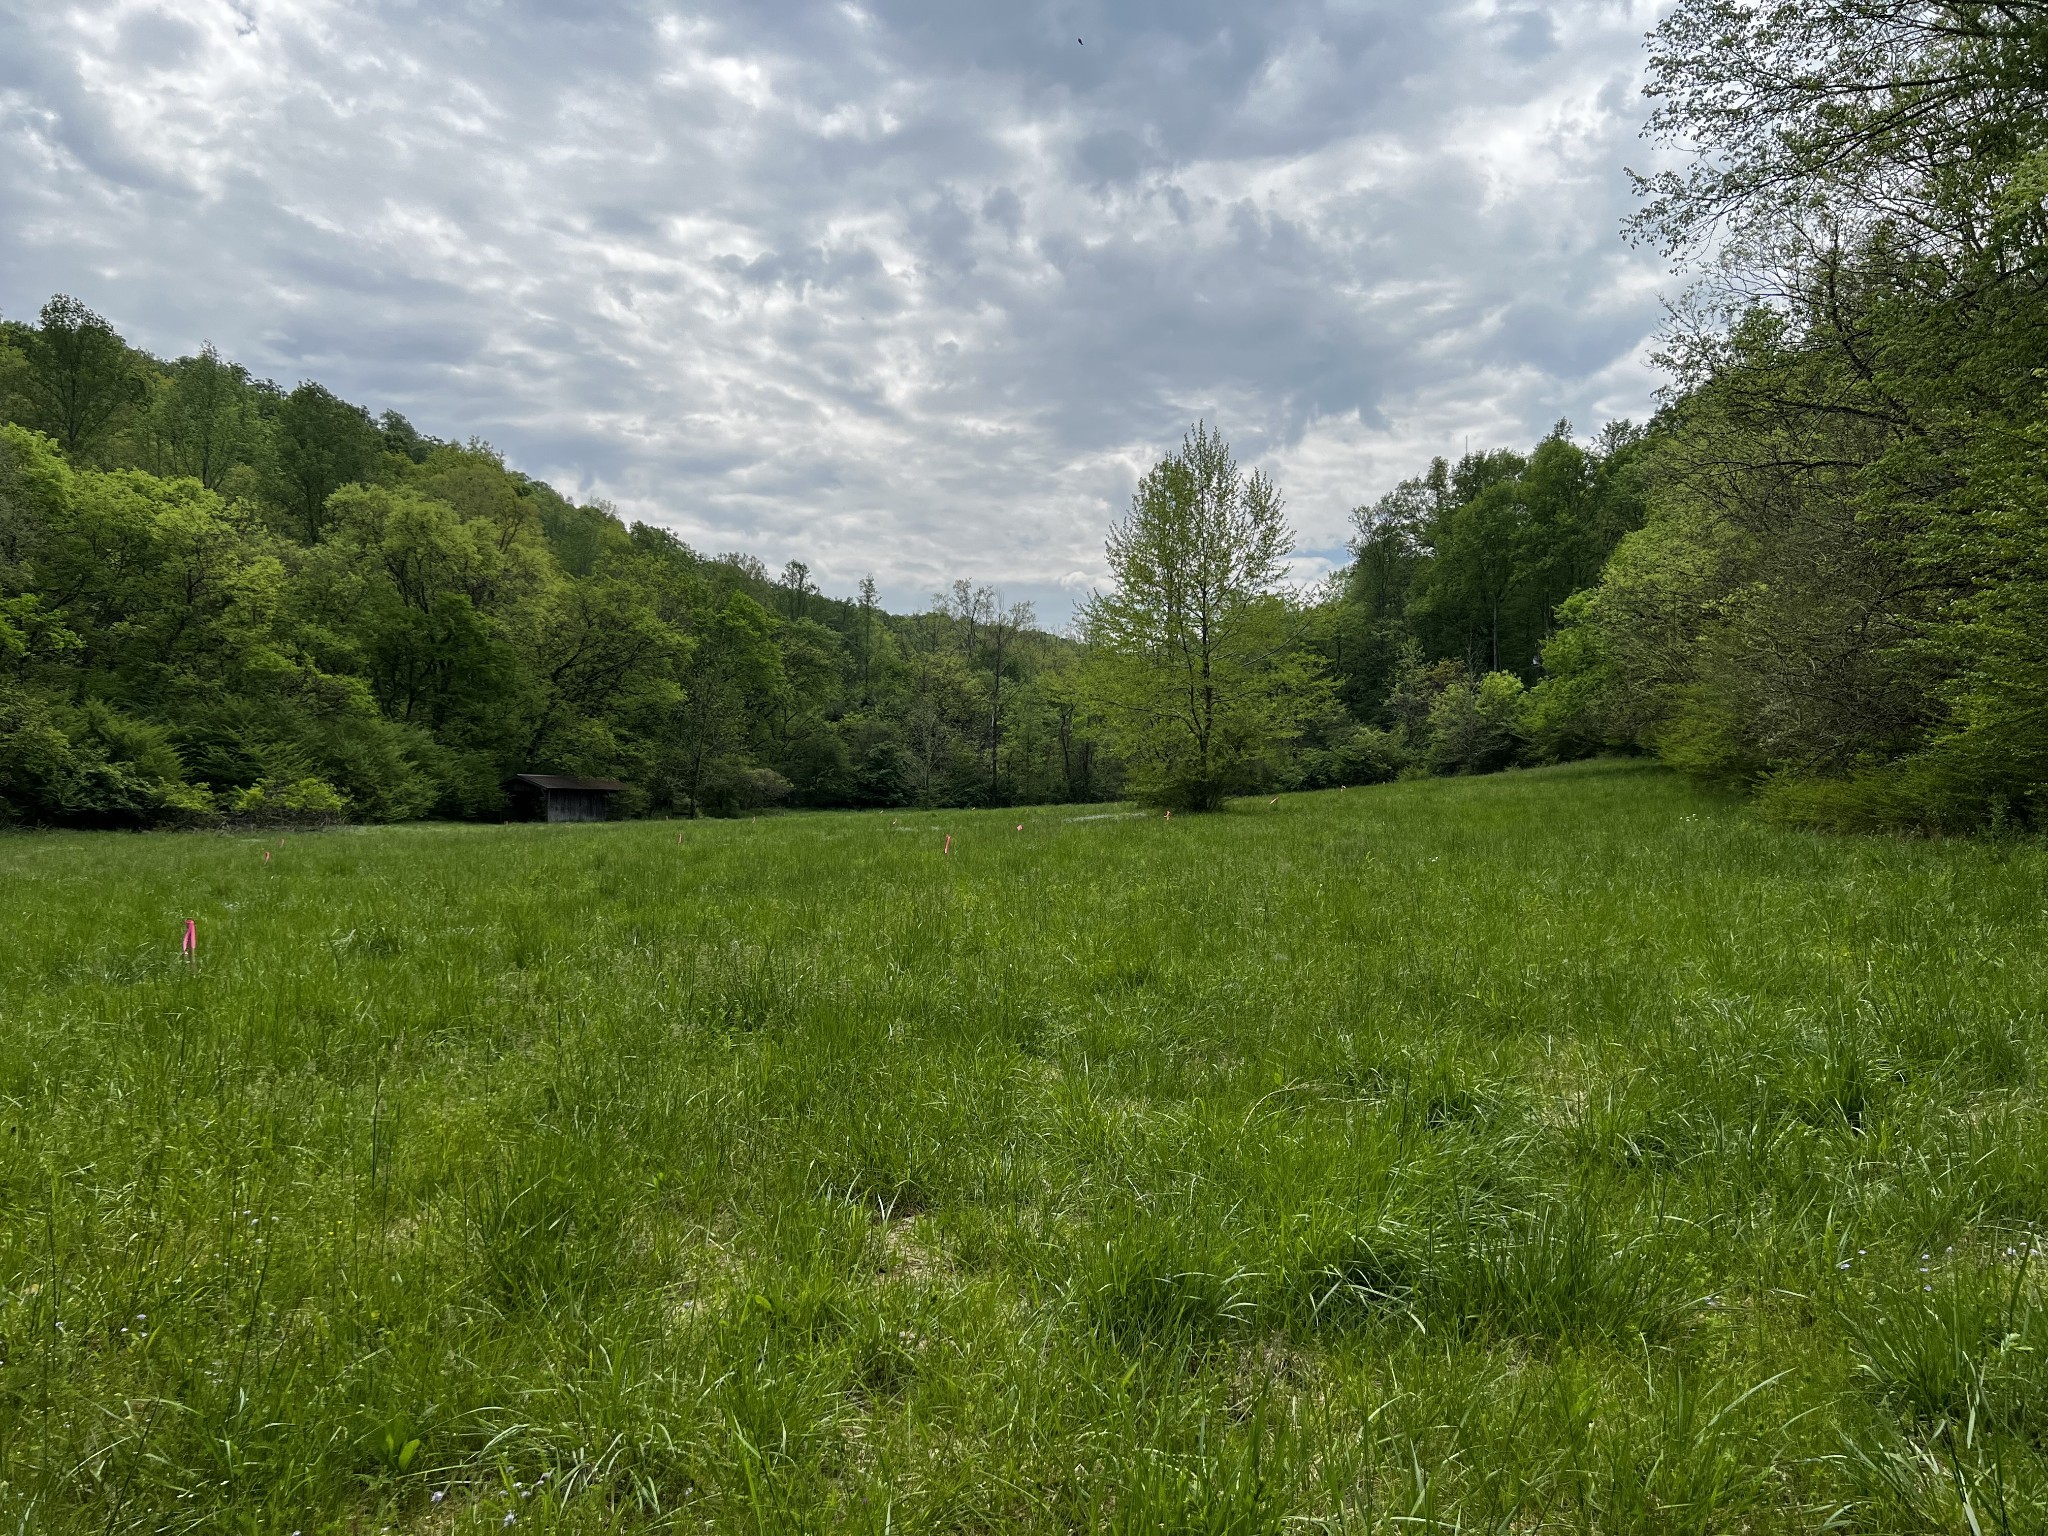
(909, 288)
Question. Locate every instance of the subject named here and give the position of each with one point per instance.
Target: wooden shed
(561, 797)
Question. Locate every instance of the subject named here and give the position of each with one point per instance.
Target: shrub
(1371, 756)
(735, 787)
(1476, 727)
(886, 778)
(1575, 710)
(301, 802)
(92, 767)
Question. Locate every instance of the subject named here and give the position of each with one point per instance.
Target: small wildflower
(439, 1495)
(510, 1517)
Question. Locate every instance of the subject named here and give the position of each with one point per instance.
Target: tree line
(219, 598)
(1840, 594)
(1820, 571)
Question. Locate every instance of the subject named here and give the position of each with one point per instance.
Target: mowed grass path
(1557, 1151)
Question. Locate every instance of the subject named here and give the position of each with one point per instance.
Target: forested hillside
(1839, 591)
(223, 598)
(219, 597)
(1841, 594)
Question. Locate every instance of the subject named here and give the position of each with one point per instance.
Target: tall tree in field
(1195, 666)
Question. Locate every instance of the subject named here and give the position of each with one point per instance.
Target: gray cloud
(916, 288)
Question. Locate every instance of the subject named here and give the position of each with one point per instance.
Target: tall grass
(1558, 1151)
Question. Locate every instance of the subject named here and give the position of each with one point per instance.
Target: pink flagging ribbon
(189, 945)
(949, 842)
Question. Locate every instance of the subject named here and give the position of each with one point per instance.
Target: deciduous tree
(1195, 663)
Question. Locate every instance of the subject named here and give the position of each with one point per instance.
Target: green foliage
(1476, 727)
(205, 421)
(80, 380)
(1572, 712)
(1838, 594)
(1474, 580)
(1195, 665)
(321, 444)
(294, 590)
(93, 766)
(308, 801)
(1355, 754)
(284, 593)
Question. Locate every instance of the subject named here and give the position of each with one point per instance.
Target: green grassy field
(1556, 1151)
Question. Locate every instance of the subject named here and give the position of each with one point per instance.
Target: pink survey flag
(266, 855)
(949, 842)
(189, 945)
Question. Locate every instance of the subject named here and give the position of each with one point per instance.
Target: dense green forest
(222, 598)
(1838, 594)
(1841, 592)
(219, 597)
(1821, 570)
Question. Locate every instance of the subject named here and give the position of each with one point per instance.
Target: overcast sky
(910, 288)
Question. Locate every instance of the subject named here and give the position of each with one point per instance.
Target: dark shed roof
(567, 781)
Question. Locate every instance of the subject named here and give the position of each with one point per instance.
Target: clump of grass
(1559, 1270)
(1144, 1284)
(1956, 1340)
